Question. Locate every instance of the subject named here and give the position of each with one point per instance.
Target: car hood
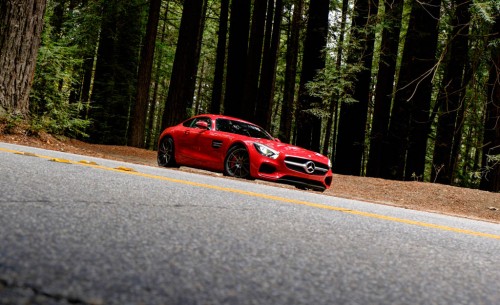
(292, 150)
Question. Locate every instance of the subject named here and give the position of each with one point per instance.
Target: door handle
(186, 132)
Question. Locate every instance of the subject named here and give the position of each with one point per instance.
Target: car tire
(166, 156)
(237, 163)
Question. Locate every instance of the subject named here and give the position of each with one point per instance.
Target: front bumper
(298, 171)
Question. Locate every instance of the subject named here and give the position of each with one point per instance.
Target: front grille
(306, 166)
(304, 183)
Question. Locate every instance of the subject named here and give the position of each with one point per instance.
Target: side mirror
(201, 124)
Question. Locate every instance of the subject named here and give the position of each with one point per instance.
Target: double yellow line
(131, 171)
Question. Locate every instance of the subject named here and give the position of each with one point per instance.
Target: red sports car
(241, 149)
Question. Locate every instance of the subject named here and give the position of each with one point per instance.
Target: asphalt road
(115, 233)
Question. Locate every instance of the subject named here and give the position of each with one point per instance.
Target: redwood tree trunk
(115, 80)
(332, 122)
(353, 116)
(184, 70)
(420, 123)
(220, 58)
(490, 181)
(308, 125)
(139, 115)
(253, 61)
(263, 112)
(451, 96)
(385, 85)
(21, 23)
(236, 57)
(292, 51)
(404, 153)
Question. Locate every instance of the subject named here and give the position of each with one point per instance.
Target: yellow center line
(264, 196)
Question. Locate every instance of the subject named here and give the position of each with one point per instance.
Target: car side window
(188, 123)
(241, 128)
(223, 125)
(230, 126)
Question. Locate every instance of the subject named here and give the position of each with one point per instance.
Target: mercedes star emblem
(310, 167)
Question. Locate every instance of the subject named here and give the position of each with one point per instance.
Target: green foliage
(492, 161)
(486, 10)
(494, 158)
(9, 122)
(331, 83)
(61, 119)
(55, 78)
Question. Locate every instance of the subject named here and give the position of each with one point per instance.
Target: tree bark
(220, 59)
(139, 115)
(420, 124)
(385, 85)
(292, 54)
(154, 119)
(308, 125)
(404, 153)
(331, 124)
(263, 112)
(21, 23)
(184, 70)
(253, 61)
(236, 60)
(115, 80)
(451, 96)
(353, 116)
(490, 181)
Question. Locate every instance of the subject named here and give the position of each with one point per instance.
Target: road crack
(12, 292)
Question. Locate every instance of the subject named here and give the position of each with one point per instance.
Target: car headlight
(330, 163)
(266, 151)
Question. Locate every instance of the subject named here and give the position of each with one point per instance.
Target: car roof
(221, 116)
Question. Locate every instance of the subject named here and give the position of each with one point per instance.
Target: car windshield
(242, 128)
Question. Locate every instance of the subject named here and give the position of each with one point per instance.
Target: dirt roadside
(463, 202)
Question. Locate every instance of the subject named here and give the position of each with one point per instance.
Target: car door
(181, 140)
(186, 141)
(190, 140)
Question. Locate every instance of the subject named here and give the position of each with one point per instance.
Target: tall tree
(352, 124)
(86, 37)
(385, 84)
(139, 115)
(21, 23)
(253, 60)
(332, 122)
(292, 54)
(236, 57)
(490, 181)
(220, 58)
(154, 119)
(404, 153)
(420, 122)
(115, 78)
(308, 124)
(268, 72)
(183, 80)
(451, 96)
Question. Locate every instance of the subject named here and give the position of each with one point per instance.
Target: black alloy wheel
(166, 156)
(237, 163)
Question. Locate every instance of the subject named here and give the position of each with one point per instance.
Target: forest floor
(431, 197)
